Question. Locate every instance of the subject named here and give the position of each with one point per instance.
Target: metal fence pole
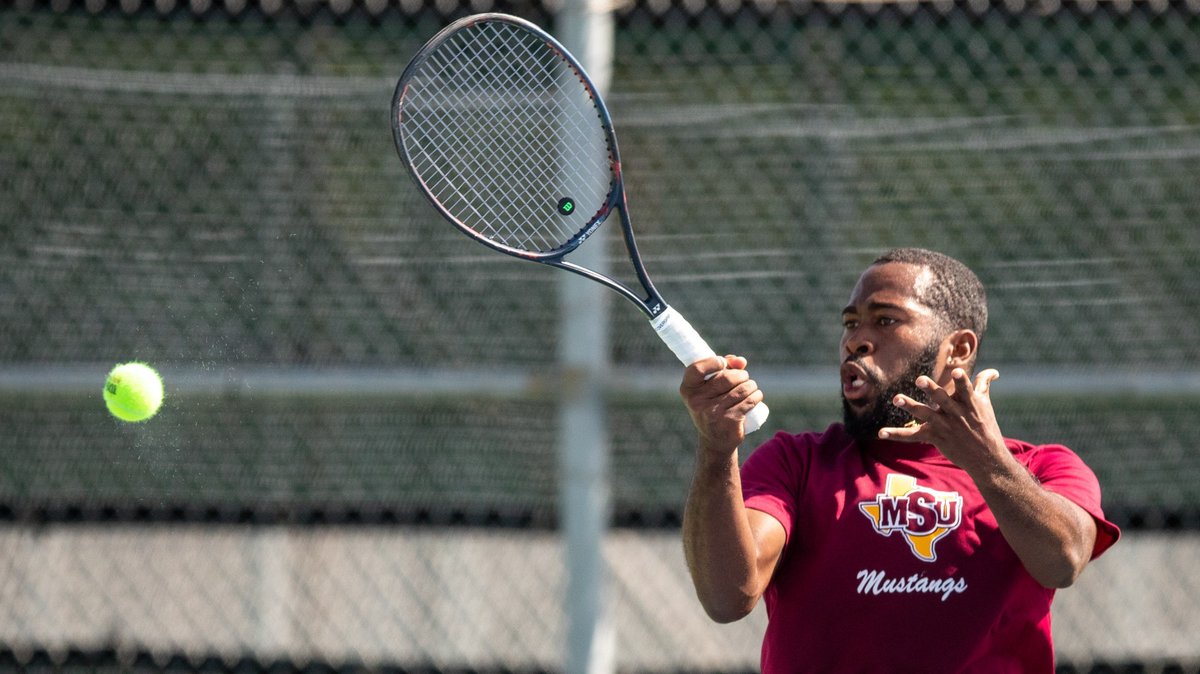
(585, 28)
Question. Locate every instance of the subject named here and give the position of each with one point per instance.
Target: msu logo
(921, 515)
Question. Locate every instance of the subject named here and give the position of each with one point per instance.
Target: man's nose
(858, 344)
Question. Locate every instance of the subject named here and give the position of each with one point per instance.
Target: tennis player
(911, 537)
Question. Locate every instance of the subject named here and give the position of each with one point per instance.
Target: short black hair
(956, 295)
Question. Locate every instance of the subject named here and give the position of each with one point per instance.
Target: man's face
(889, 338)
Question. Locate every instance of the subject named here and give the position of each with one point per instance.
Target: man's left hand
(958, 420)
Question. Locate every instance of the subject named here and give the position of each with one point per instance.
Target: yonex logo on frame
(920, 514)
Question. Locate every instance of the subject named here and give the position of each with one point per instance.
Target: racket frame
(651, 303)
(672, 328)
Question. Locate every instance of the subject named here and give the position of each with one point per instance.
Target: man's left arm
(1052, 536)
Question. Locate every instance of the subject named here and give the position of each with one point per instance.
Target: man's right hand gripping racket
(509, 139)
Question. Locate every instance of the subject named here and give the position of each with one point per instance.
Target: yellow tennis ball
(133, 392)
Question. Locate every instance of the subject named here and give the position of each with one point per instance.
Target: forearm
(1052, 536)
(718, 541)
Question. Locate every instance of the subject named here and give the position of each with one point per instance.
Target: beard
(864, 424)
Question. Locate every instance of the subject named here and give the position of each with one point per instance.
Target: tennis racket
(507, 137)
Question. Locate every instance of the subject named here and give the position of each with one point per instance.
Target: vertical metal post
(272, 548)
(585, 29)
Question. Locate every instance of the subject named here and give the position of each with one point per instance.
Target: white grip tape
(756, 418)
(689, 347)
(681, 337)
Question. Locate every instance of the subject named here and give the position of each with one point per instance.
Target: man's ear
(964, 345)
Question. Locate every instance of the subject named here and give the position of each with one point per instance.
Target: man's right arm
(731, 550)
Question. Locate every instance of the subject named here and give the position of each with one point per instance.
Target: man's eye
(848, 324)
(884, 320)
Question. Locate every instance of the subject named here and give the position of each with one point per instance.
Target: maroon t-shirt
(893, 562)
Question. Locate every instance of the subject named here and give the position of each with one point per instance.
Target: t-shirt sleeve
(1062, 471)
(772, 477)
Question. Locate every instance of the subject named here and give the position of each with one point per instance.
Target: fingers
(732, 389)
(962, 385)
(938, 396)
(983, 381)
(939, 399)
(955, 399)
(707, 368)
(913, 430)
(702, 370)
(916, 430)
(958, 390)
(719, 393)
(900, 432)
(921, 413)
(720, 383)
(962, 388)
(736, 362)
(747, 395)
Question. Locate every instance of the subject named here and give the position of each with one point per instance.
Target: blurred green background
(214, 190)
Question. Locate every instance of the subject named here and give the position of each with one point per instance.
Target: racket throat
(651, 304)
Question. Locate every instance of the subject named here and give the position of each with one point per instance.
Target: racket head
(505, 134)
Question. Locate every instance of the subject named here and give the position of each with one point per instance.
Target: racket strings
(506, 186)
(500, 129)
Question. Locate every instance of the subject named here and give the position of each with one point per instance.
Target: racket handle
(689, 347)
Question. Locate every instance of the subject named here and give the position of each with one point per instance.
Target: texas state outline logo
(922, 516)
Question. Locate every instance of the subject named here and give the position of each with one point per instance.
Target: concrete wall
(457, 597)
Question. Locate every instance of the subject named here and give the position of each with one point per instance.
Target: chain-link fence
(356, 462)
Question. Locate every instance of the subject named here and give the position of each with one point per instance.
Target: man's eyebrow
(875, 306)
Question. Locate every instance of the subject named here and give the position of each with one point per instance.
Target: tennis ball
(133, 392)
